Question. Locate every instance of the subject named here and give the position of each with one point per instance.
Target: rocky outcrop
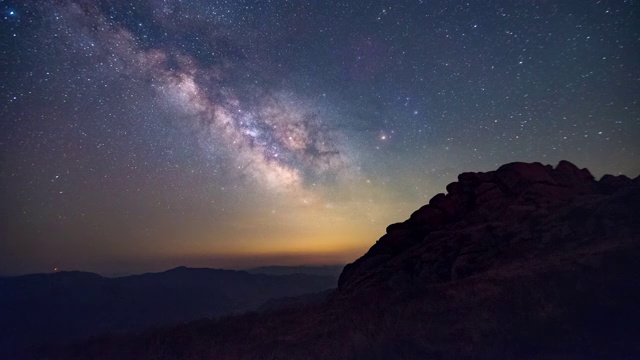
(485, 220)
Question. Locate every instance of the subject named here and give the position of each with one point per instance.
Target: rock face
(521, 210)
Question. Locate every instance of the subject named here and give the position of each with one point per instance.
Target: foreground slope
(70, 306)
(525, 262)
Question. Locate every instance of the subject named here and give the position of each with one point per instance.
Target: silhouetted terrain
(329, 270)
(299, 301)
(68, 306)
(525, 262)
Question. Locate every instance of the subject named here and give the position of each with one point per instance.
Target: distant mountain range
(70, 306)
(525, 262)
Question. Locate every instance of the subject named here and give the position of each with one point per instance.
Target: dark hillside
(71, 306)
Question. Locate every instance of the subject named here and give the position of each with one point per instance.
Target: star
(174, 129)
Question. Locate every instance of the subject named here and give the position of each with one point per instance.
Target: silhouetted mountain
(327, 270)
(68, 306)
(525, 262)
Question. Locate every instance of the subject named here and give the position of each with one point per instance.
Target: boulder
(517, 176)
(487, 192)
(428, 216)
(444, 203)
(397, 227)
(455, 188)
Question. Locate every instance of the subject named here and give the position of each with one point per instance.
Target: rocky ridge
(486, 220)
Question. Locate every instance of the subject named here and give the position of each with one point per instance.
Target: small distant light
(55, 269)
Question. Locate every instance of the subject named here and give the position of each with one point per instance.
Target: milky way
(275, 141)
(147, 134)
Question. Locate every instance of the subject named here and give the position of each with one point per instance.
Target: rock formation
(521, 210)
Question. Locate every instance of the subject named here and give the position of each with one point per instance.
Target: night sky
(138, 136)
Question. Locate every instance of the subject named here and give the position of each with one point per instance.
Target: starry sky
(138, 136)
